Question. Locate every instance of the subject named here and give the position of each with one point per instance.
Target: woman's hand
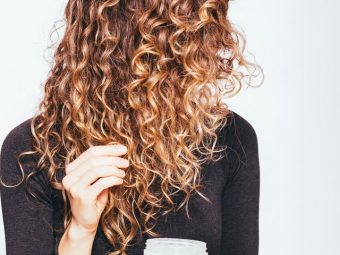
(87, 180)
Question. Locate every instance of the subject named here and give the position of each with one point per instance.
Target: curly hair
(146, 74)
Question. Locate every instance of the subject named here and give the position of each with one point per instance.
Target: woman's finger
(91, 164)
(91, 176)
(103, 183)
(94, 151)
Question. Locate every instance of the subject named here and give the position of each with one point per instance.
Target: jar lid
(174, 246)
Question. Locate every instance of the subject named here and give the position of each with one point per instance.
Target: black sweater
(229, 225)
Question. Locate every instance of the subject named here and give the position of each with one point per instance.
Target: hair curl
(146, 74)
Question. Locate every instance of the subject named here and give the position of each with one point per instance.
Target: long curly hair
(150, 75)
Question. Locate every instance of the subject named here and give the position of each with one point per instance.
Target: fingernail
(125, 162)
(121, 148)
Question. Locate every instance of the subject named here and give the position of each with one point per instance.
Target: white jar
(174, 246)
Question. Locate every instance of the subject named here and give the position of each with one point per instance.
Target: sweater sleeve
(240, 198)
(28, 221)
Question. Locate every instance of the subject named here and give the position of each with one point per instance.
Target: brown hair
(146, 74)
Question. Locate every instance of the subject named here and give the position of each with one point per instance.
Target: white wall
(296, 115)
(295, 112)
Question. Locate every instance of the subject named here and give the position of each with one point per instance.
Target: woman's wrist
(77, 232)
(76, 240)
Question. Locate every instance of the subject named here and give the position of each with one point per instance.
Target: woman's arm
(75, 239)
(27, 222)
(240, 212)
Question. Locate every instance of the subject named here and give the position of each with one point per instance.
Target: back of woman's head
(146, 74)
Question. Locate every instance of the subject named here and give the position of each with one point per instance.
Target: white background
(295, 112)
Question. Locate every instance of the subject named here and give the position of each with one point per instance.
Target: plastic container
(174, 246)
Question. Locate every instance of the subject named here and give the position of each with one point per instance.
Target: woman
(132, 140)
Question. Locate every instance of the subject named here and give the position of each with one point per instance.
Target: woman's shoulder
(18, 138)
(238, 128)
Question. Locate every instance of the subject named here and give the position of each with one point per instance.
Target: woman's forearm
(76, 241)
